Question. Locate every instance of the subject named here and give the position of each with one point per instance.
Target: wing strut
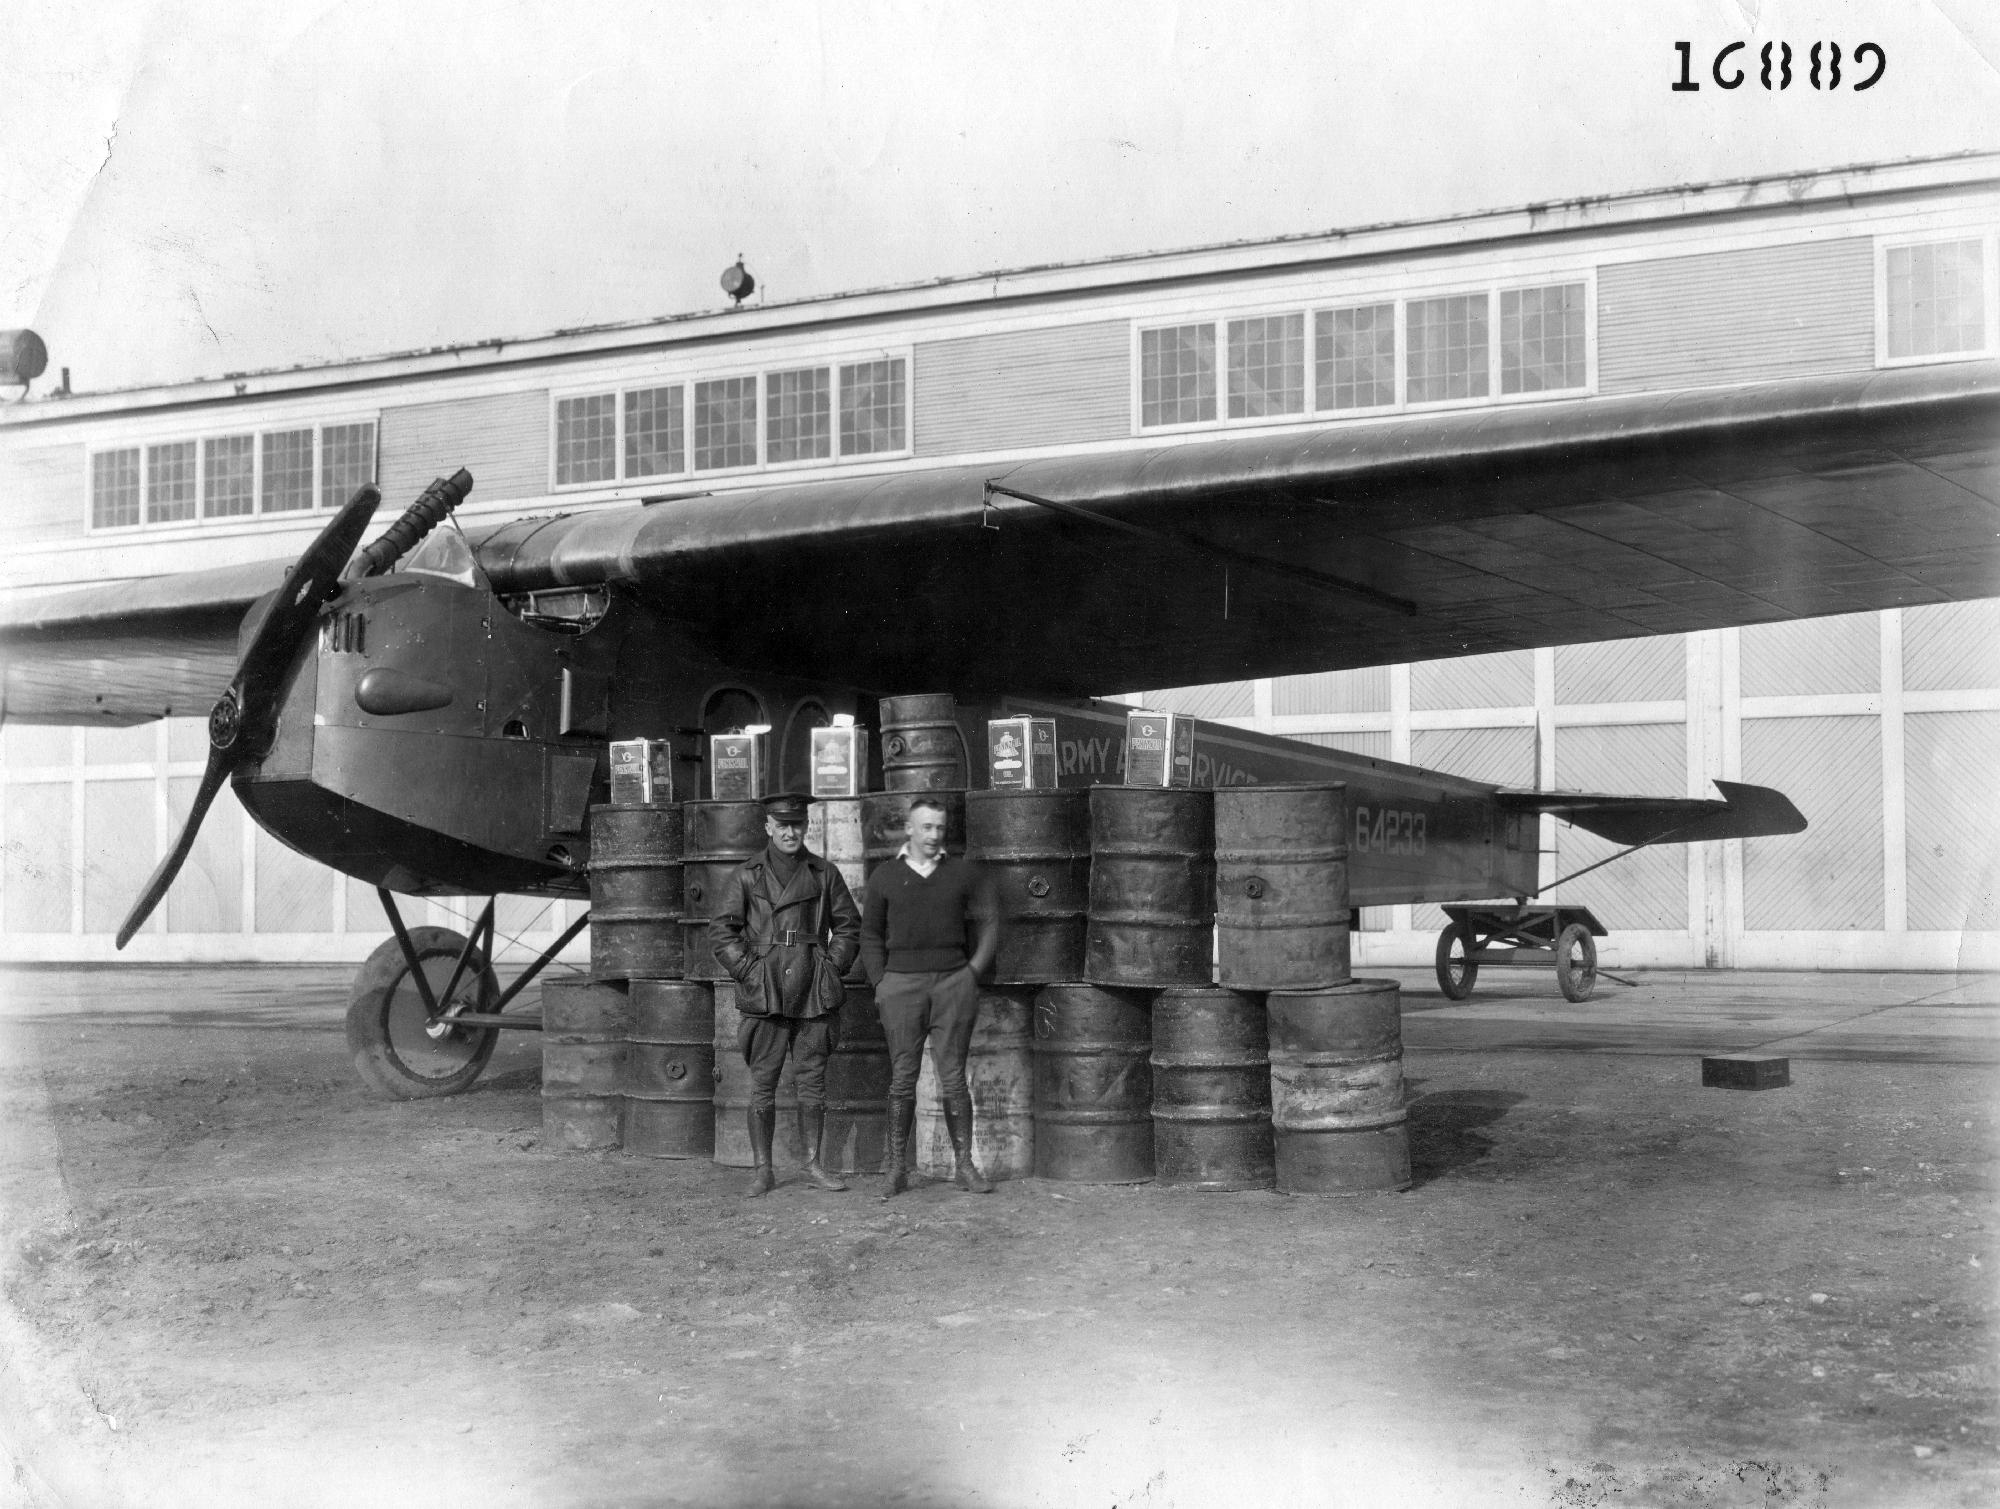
(1199, 546)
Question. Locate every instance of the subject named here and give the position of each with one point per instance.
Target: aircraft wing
(1743, 812)
(1405, 539)
(1198, 559)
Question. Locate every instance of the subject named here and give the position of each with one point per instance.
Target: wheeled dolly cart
(1519, 937)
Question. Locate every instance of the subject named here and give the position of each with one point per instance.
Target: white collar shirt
(923, 868)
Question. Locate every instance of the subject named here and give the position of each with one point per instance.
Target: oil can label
(735, 767)
(839, 759)
(1159, 749)
(1007, 752)
(1042, 753)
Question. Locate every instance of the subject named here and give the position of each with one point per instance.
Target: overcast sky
(193, 188)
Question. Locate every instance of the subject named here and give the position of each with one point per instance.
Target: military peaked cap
(788, 807)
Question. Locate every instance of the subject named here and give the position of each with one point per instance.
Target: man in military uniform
(786, 928)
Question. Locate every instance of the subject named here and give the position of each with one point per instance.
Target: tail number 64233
(1388, 830)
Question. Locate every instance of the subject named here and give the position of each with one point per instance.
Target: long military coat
(755, 918)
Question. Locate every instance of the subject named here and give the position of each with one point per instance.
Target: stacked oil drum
(628, 1056)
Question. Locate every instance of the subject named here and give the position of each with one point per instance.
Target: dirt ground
(232, 1278)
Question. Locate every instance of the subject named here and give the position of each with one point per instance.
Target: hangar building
(1883, 726)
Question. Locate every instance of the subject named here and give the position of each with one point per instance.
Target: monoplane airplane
(432, 714)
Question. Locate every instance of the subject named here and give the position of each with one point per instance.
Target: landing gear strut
(426, 1009)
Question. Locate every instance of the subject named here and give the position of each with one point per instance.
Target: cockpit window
(442, 553)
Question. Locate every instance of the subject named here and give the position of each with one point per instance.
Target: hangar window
(1542, 339)
(1446, 340)
(799, 415)
(229, 476)
(1267, 366)
(872, 405)
(1354, 352)
(725, 423)
(234, 476)
(1177, 375)
(170, 476)
(655, 432)
(1935, 299)
(587, 438)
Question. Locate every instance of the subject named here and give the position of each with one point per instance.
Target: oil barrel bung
(1152, 887)
(1211, 1090)
(719, 837)
(1093, 1084)
(669, 1070)
(1000, 1078)
(885, 818)
(1281, 906)
(857, 1087)
(1337, 1112)
(584, 1027)
(732, 1092)
(922, 748)
(636, 892)
(1036, 848)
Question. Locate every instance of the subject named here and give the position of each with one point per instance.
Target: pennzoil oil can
(642, 772)
(839, 760)
(736, 767)
(1021, 753)
(1159, 749)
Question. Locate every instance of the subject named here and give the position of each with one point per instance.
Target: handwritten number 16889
(1728, 70)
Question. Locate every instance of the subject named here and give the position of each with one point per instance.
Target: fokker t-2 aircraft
(431, 715)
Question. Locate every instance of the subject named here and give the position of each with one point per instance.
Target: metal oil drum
(834, 832)
(720, 836)
(1211, 1089)
(584, 1027)
(669, 1080)
(885, 817)
(1000, 1078)
(1036, 847)
(922, 749)
(636, 893)
(857, 1088)
(1093, 1085)
(1152, 887)
(732, 1093)
(1337, 1113)
(1281, 907)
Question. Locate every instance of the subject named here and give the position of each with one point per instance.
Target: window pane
(288, 471)
(1267, 366)
(229, 476)
(871, 408)
(1937, 298)
(1447, 345)
(169, 482)
(346, 461)
(1177, 375)
(799, 426)
(587, 439)
(1541, 339)
(1354, 365)
(725, 423)
(655, 432)
(114, 489)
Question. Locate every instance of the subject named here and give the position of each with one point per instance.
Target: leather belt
(792, 935)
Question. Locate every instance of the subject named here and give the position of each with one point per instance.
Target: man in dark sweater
(913, 927)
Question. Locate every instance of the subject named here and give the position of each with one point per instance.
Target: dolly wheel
(1456, 971)
(397, 1050)
(1576, 962)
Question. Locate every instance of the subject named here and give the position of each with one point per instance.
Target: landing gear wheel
(397, 1050)
(1576, 962)
(1456, 971)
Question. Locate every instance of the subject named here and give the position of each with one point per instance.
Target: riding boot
(812, 1126)
(958, 1126)
(902, 1117)
(763, 1121)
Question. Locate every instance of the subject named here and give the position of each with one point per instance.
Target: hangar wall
(1884, 728)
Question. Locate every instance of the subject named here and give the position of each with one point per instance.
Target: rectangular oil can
(839, 761)
(736, 767)
(1159, 749)
(642, 772)
(1021, 753)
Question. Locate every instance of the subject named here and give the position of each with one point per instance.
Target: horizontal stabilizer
(1744, 812)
